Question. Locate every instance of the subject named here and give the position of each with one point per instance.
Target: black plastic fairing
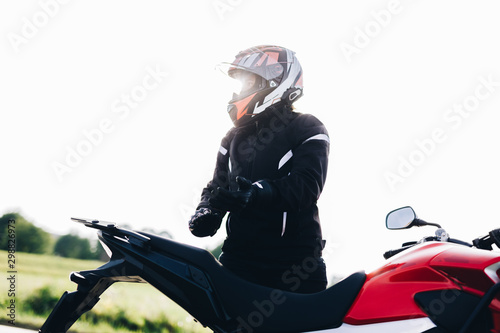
(449, 309)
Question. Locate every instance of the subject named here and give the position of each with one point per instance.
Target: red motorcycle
(443, 284)
(435, 285)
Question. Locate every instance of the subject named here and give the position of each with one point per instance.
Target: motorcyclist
(271, 168)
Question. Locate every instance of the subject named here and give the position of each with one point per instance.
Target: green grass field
(123, 304)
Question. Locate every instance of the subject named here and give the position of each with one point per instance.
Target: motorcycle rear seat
(264, 309)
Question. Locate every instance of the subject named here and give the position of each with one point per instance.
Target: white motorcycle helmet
(269, 74)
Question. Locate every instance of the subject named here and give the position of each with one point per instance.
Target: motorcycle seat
(259, 308)
(269, 310)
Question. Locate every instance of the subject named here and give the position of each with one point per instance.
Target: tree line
(32, 239)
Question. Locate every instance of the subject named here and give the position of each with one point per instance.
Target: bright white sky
(382, 75)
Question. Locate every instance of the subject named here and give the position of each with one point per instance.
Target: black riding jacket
(290, 151)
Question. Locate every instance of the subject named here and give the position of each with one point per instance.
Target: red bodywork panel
(389, 291)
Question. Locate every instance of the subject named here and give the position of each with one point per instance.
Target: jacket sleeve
(301, 188)
(221, 173)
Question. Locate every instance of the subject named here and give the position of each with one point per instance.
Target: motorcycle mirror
(401, 218)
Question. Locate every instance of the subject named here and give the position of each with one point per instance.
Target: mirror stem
(420, 223)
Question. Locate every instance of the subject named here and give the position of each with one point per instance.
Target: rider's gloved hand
(205, 222)
(260, 193)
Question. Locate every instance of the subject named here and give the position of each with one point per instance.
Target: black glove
(205, 222)
(248, 195)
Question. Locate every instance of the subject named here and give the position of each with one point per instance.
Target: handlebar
(391, 253)
(458, 241)
(405, 217)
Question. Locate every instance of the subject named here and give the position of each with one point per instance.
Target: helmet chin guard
(275, 74)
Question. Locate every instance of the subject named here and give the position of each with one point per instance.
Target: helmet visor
(244, 83)
(247, 83)
(269, 72)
